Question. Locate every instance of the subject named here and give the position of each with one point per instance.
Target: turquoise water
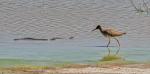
(65, 51)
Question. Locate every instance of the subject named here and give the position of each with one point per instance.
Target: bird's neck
(100, 29)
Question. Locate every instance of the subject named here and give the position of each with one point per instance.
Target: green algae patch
(111, 58)
(114, 60)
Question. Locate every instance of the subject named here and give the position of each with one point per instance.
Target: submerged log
(71, 37)
(28, 38)
(55, 38)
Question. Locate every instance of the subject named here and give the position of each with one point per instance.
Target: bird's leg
(108, 46)
(118, 44)
(108, 51)
(108, 42)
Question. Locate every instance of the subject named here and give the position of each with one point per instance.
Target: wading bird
(110, 33)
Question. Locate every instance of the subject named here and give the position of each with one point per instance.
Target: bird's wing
(113, 32)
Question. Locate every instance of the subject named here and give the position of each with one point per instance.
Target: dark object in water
(71, 37)
(28, 38)
(55, 38)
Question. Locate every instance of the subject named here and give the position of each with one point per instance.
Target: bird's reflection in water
(110, 49)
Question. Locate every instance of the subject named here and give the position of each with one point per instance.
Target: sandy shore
(96, 70)
(106, 69)
(110, 69)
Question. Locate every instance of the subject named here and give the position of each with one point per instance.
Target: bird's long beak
(93, 29)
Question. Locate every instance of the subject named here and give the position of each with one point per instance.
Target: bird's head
(98, 27)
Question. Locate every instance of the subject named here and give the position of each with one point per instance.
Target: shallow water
(67, 18)
(61, 52)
